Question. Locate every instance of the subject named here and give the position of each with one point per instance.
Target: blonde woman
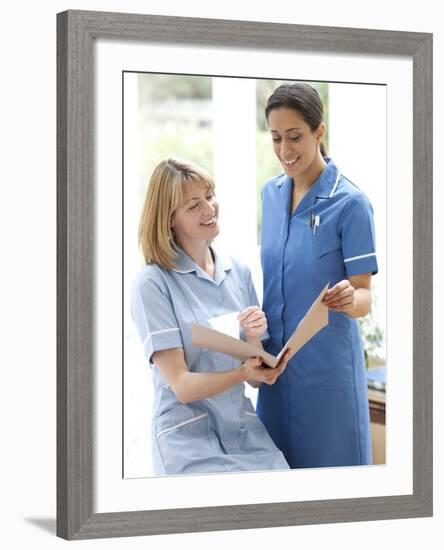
(202, 420)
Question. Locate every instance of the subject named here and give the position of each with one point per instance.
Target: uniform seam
(159, 452)
(355, 398)
(215, 450)
(347, 203)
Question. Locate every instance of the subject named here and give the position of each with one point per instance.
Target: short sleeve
(357, 231)
(153, 315)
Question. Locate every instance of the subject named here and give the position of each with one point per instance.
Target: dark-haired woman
(317, 228)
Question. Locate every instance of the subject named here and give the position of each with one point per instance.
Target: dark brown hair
(302, 98)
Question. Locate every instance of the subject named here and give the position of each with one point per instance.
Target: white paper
(227, 324)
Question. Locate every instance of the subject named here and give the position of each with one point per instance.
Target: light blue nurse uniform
(317, 412)
(220, 433)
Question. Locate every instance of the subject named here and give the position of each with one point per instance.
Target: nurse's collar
(281, 180)
(184, 264)
(328, 181)
(325, 185)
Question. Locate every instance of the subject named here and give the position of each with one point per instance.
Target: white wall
(27, 220)
(357, 124)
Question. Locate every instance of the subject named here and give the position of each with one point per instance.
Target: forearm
(256, 341)
(362, 302)
(193, 386)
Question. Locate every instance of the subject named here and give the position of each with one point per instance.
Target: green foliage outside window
(175, 121)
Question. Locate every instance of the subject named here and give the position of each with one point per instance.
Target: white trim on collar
(179, 271)
(223, 260)
(335, 185)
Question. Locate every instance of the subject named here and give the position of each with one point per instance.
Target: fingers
(247, 312)
(342, 300)
(270, 376)
(250, 314)
(256, 371)
(254, 361)
(271, 379)
(340, 296)
(264, 374)
(280, 367)
(253, 321)
(274, 374)
(341, 305)
(338, 287)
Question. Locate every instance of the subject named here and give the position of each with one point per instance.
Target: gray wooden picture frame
(76, 32)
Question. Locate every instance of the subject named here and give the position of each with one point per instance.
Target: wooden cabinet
(376, 400)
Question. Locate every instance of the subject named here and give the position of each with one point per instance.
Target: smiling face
(295, 144)
(196, 220)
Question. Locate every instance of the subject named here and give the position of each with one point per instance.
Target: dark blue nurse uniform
(317, 411)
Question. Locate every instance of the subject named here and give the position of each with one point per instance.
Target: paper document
(227, 324)
(314, 320)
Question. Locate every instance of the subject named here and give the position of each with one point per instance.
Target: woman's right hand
(254, 371)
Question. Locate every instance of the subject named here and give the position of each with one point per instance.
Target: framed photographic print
(124, 104)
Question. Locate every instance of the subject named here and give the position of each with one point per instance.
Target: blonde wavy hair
(166, 191)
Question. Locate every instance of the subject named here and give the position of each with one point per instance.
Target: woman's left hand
(341, 297)
(253, 321)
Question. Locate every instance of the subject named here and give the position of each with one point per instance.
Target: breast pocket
(326, 240)
(328, 253)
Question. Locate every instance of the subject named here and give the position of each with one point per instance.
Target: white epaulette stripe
(359, 257)
(160, 332)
